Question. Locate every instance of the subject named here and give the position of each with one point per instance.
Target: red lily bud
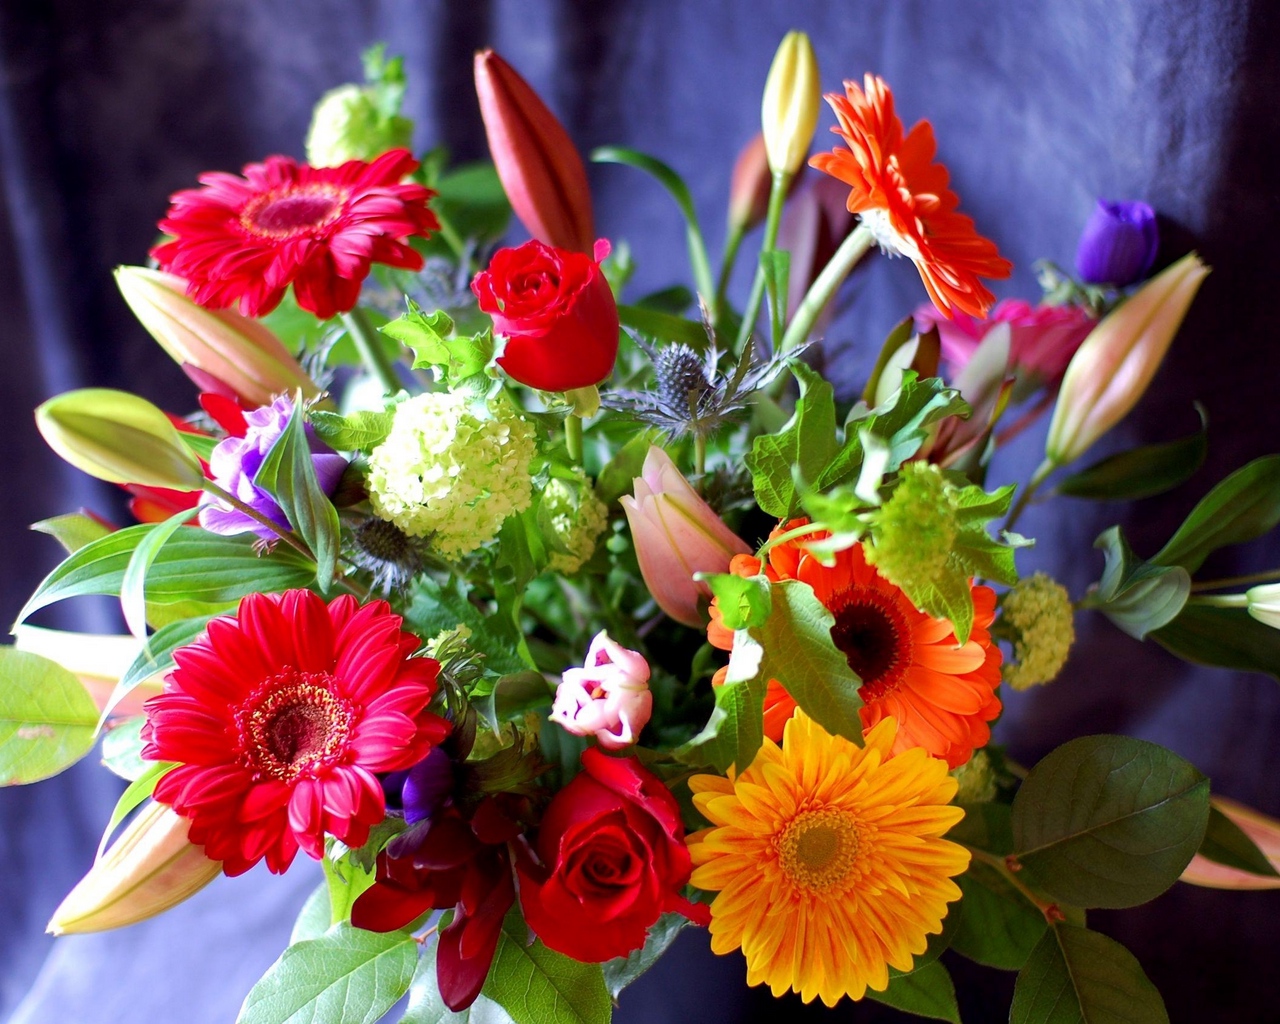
(540, 169)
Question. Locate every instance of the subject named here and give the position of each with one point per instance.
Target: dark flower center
(873, 636)
(282, 215)
(293, 723)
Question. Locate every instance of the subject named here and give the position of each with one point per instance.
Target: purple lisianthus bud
(1118, 244)
(236, 460)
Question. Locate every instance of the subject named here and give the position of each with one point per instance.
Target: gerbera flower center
(293, 724)
(818, 848)
(874, 637)
(286, 213)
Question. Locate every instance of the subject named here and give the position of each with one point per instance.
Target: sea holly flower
(828, 859)
(942, 694)
(901, 195)
(278, 719)
(245, 240)
(1118, 244)
(789, 107)
(1039, 614)
(236, 460)
(388, 553)
(608, 697)
(676, 534)
(452, 470)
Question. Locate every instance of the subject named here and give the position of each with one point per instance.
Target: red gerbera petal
(245, 240)
(277, 721)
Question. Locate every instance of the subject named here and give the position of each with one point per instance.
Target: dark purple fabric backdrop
(107, 106)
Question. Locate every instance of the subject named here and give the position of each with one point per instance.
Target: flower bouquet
(553, 620)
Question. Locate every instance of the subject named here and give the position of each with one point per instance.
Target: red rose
(557, 312)
(613, 860)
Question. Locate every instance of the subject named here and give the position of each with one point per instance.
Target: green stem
(1048, 908)
(366, 341)
(699, 453)
(573, 437)
(450, 234)
(731, 245)
(1222, 600)
(1237, 581)
(287, 536)
(777, 196)
(851, 250)
(783, 538)
(701, 264)
(1037, 478)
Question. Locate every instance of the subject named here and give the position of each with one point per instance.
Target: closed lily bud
(789, 111)
(1114, 365)
(120, 438)
(749, 186)
(539, 166)
(232, 349)
(676, 534)
(151, 867)
(97, 660)
(608, 697)
(1265, 833)
(1264, 604)
(1118, 244)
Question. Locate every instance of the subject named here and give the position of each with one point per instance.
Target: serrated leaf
(48, 721)
(928, 992)
(1225, 637)
(947, 596)
(73, 531)
(999, 926)
(1076, 976)
(435, 608)
(735, 731)
(535, 984)
(363, 430)
(1141, 472)
(742, 600)
(621, 972)
(1243, 506)
(1225, 842)
(432, 339)
(804, 446)
(1109, 821)
(1137, 596)
(346, 976)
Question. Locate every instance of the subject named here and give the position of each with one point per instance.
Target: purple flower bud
(1118, 244)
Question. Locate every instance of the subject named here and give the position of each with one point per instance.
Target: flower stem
(573, 437)
(1222, 600)
(1048, 908)
(699, 453)
(288, 536)
(1037, 478)
(731, 246)
(1236, 581)
(777, 196)
(851, 250)
(367, 343)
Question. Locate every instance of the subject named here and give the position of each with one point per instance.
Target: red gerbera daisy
(278, 718)
(942, 694)
(320, 229)
(902, 197)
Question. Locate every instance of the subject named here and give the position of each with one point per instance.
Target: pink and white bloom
(1264, 831)
(676, 534)
(608, 697)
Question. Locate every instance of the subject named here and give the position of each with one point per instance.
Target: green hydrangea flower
(452, 470)
(348, 124)
(572, 518)
(913, 533)
(977, 780)
(1038, 613)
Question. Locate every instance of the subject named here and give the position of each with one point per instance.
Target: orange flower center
(285, 213)
(874, 637)
(293, 724)
(818, 848)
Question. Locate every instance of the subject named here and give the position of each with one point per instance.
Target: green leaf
(73, 531)
(776, 264)
(1142, 472)
(47, 718)
(122, 749)
(133, 601)
(947, 596)
(1076, 976)
(346, 976)
(156, 656)
(1243, 506)
(426, 1006)
(536, 985)
(433, 341)
(1225, 842)
(358, 431)
(1225, 637)
(743, 600)
(288, 475)
(621, 972)
(313, 918)
(735, 731)
(927, 992)
(345, 880)
(663, 325)
(999, 926)
(435, 608)
(471, 199)
(1109, 821)
(804, 446)
(987, 827)
(513, 696)
(619, 473)
(135, 793)
(1137, 596)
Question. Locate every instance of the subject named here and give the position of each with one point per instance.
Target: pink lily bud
(608, 697)
(1265, 833)
(676, 534)
(539, 166)
(150, 868)
(234, 350)
(749, 186)
(1115, 363)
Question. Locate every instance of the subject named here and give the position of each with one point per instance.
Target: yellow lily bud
(235, 350)
(1114, 365)
(151, 867)
(789, 112)
(118, 437)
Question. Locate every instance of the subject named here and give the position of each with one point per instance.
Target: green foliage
(345, 976)
(133, 599)
(432, 339)
(1142, 472)
(345, 878)
(621, 972)
(358, 431)
(927, 992)
(804, 447)
(1225, 637)
(48, 721)
(156, 656)
(435, 608)
(1109, 821)
(135, 793)
(619, 473)
(1137, 596)
(427, 1007)
(122, 749)
(743, 600)
(536, 985)
(1077, 976)
(1226, 843)
(657, 324)
(999, 926)
(73, 530)
(471, 200)
(313, 918)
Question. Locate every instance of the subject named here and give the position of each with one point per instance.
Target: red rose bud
(613, 861)
(557, 313)
(540, 169)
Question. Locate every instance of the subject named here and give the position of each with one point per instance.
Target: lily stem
(731, 245)
(823, 289)
(1236, 581)
(1028, 492)
(368, 344)
(1222, 600)
(777, 196)
(699, 453)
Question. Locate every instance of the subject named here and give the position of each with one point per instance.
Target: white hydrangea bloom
(573, 519)
(452, 471)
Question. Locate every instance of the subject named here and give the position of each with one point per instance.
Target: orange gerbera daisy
(902, 197)
(941, 693)
(829, 860)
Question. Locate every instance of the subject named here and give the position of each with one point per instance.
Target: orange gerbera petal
(901, 195)
(941, 693)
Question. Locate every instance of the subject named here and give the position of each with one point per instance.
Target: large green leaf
(471, 198)
(1225, 842)
(927, 992)
(1137, 596)
(47, 718)
(536, 985)
(803, 448)
(346, 976)
(315, 916)
(362, 430)
(1076, 976)
(735, 731)
(1141, 472)
(1243, 506)
(999, 926)
(73, 530)
(1109, 821)
(133, 601)
(622, 971)
(426, 1006)
(122, 749)
(1225, 637)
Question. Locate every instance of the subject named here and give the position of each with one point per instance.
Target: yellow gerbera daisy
(828, 859)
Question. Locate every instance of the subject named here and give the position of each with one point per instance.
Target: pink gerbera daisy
(278, 719)
(320, 229)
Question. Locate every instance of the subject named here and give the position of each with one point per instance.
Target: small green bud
(977, 779)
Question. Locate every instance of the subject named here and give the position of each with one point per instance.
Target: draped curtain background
(108, 106)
